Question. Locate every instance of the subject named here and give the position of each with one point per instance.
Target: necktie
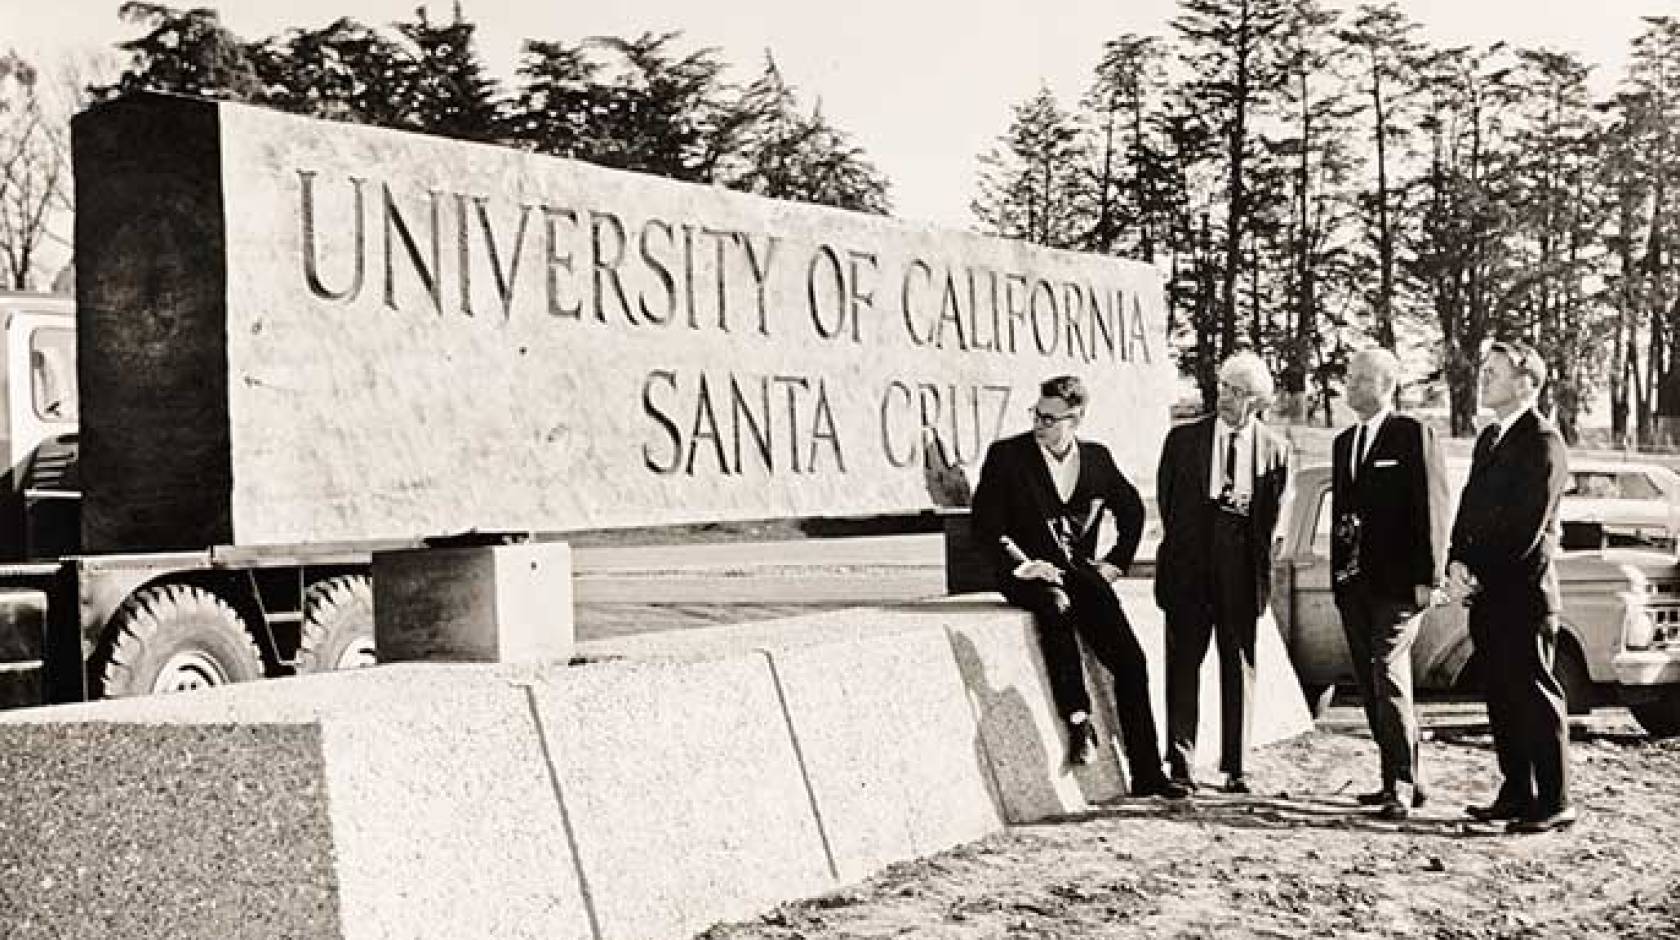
(1484, 444)
(1230, 462)
(1358, 452)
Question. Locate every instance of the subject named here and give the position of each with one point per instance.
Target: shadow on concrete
(1007, 745)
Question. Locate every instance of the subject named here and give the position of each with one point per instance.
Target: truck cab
(75, 626)
(39, 503)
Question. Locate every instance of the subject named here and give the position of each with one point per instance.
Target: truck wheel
(173, 638)
(1571, 671)
(337, 625)
(1660, 717)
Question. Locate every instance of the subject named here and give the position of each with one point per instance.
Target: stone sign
(295, 330)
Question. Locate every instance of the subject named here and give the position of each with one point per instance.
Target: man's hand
(1110, 572)
(1036, 570)
(1460, 582)
(1423, 595)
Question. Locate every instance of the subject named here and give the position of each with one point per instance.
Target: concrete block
(211, 832)
(311, 331)
(441, 818)
(685, 794)
(496, 604)
(894, 756)
(1010, 693)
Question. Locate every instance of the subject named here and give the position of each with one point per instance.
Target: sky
(925, 86)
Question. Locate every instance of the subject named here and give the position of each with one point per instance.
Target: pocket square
(1384, 463)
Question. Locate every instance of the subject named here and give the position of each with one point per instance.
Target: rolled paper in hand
(1012, 550)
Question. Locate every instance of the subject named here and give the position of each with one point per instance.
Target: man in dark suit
(1387, 551)
(1036, 511)
(1220, 482)
(1500, 563)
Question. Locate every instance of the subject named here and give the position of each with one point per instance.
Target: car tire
(1660, 717)
(173, 638)
(1570, 668)
(337, 625)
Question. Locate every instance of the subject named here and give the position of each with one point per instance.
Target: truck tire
(1660, 717)
(173, 638)
(337, 625)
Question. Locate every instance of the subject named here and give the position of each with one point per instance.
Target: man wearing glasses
(1037, 511)
(1219, 485)
(1500, 563)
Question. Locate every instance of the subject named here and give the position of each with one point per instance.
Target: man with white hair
(1388, 513)
(1219, 485)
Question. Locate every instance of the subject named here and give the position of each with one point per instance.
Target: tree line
(1314, 180)
(650, 103)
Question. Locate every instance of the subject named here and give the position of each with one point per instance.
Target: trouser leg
(1495, 650)
(1545, 722)
(1395, 629)
(1235, 638)
(1355, 611)
(1188, 631)
(1102, 624)
(1058, 641)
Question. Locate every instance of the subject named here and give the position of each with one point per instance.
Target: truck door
(41, 380)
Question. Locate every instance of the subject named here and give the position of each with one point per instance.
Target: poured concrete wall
(700, 779)
(296, 330)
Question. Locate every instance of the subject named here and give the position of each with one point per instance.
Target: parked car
(1633, 503)
(1620, 629)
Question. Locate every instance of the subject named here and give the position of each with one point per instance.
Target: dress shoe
(1236, 783)
(1498, 810)
(1161, 786)
(1381, 797)
(1082, 743)
(1394, 810)
(1544, 822)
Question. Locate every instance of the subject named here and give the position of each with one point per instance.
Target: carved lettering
(904, 305)
(672, 432)
(825, 257)
(605, 267)
(428, 273)
(558, 261)
(311, 261)
(662, 272)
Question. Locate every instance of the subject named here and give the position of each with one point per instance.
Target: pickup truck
(1620, 630)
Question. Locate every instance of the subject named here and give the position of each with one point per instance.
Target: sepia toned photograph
(769, 471)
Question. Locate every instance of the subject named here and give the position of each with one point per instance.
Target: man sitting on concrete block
(1036, 512)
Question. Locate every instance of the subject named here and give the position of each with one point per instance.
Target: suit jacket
(1017, 498)
(1399, 499)
(1184, 562)
(1506, 531)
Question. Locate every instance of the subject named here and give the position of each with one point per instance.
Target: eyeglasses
(1044, 420)
(1235, 391)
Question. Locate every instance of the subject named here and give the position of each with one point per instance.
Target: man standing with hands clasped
(1037, 512)
(1500, 563)
(1388, 546)
(1219, 485)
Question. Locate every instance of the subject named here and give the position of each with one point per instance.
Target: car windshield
(1612, 484)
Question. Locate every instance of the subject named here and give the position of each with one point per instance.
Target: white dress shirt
(1243, 486)
(1371, 428)
(1065, 472)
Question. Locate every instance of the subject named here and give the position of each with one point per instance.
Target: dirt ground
(1300, 859)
